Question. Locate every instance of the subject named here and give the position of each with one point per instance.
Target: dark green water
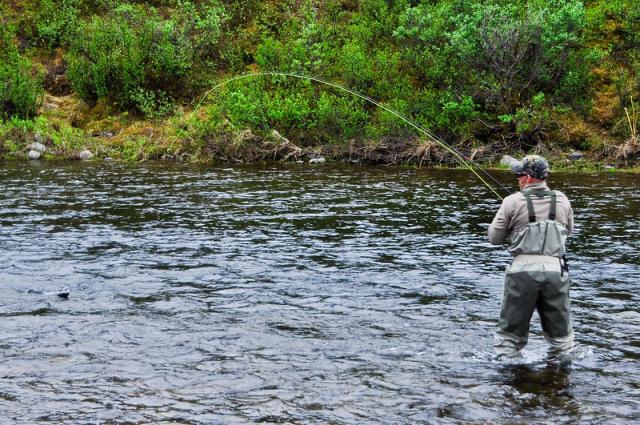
(346, 295)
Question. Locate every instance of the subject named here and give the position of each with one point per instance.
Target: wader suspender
(540, 194)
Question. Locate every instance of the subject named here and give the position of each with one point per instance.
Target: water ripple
(296, 295)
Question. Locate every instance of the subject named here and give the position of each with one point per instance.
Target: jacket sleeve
(570, 220)
(499, 226)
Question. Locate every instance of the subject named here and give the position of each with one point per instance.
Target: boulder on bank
(508, 160)
(576, 156)
(33, 155)
(38, 147)
(318, 160)
(85, 155)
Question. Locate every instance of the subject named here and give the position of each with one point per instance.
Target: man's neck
(535, 185)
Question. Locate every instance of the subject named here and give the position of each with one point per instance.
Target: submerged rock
(85, 155)
(33, 155)
(318, 160)
(61, 293)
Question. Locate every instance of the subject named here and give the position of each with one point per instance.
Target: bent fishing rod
(459, 156)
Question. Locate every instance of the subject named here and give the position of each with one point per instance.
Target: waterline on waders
(462, 159)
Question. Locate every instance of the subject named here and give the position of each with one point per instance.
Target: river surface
(297, 295)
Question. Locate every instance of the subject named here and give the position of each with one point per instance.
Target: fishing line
(462, 159)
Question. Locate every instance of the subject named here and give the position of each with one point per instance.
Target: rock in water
(33, 155)
(85, 155)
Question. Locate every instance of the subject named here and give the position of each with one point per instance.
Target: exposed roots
(246, 147)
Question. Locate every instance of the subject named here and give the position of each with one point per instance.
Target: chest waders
(545, 237)
(538, 279)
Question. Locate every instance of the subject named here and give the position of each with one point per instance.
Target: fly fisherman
(537, 222)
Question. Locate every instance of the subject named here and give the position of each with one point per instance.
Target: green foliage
(498, 56)
(386, 124)
(20, 85)
(340, 117)
(262, 106)
(204, 22)
(462, 69)
(445, 113)
(55, 20)
(152, 104)
(357, 69)
(130, 56)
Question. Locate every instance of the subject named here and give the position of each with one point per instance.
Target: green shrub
(356, 67)
(502, 53)
(20, 86)
(152, 104)
(386, 124)
(391, 79)
(55, 19)
(341, 117)
(127, 53)
(203, 21)
(445, 114)
(262, 104)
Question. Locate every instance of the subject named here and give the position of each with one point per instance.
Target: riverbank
(200, 81)
(68, 129)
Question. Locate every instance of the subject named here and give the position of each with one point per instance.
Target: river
(298, 295)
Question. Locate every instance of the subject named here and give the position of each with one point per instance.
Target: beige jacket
(513, 213)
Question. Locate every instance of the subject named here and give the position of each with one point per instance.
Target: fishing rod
(460, 157)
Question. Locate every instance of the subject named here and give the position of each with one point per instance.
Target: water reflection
(547, 388)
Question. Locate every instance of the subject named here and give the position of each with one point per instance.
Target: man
(537, 222)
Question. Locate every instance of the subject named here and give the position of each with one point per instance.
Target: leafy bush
(203, 21)
(263, 105)
(120, 54)
(356, 67)
(341, 117)
(55, 19)
(446, 114)
(503, 53)
(20, 86)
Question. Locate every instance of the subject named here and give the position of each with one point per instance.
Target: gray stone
(318, 160)
(37, 146)
(85, 155)
(609, 167)
(33, 155)
(39, 138)
(576, 155)
(508, 160)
